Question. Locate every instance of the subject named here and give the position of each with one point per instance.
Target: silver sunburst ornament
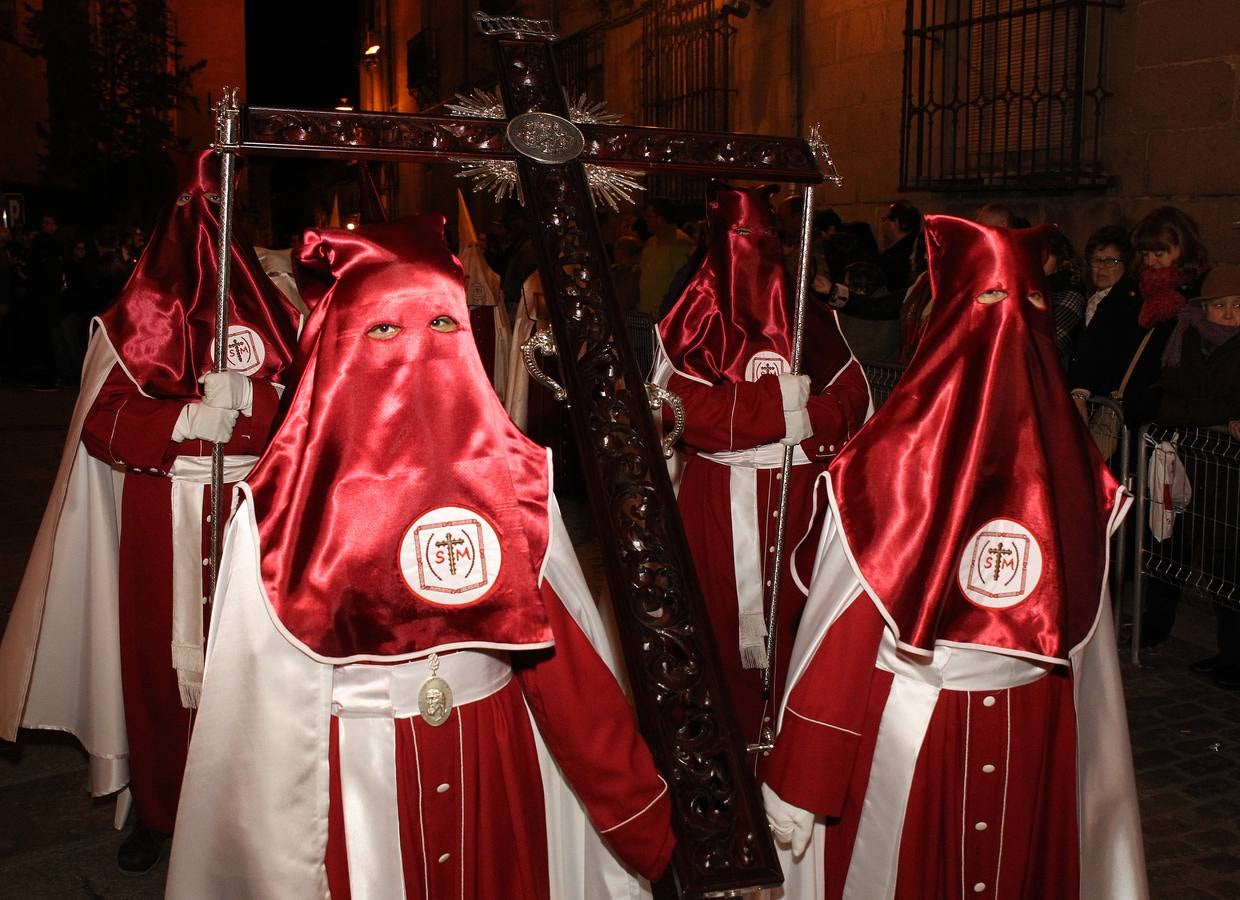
(583, 112)
(477, 104)
(499, 176)
(610, 186)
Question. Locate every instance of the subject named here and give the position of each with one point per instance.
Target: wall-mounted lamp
(370, 49)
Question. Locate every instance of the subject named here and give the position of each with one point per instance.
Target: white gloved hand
(790, 824)
(794, 391)
(205, 423)
(227, 390)
(797, 427)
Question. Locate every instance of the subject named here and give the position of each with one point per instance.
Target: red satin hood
(163, 324)
(734, 320)
(399, 510)
(974, 503)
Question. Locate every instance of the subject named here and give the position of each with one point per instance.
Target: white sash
(190, 475)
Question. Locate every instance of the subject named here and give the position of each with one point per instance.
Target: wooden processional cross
(724, 847)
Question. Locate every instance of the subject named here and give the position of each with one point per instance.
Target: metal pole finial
(822, 155)
(227, 119)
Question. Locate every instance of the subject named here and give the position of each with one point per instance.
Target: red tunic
(128, 430)
(459, 787)
(992, 796)
(737, 416)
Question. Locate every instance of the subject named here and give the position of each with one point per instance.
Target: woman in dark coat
(1201, 387)
(1110, 336)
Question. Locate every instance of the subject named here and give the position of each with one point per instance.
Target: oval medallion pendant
(435, 700)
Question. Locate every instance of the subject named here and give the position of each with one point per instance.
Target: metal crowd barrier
(640, 329)
(1192, 492)
(882, 378)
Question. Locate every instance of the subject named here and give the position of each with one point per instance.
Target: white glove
(794, 390)
(797, 427)
(227, 390)
(789, 824)
(205, 423)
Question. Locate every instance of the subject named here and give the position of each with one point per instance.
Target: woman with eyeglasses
(1111, 335)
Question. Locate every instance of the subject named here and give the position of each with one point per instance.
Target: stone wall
(1171, 133)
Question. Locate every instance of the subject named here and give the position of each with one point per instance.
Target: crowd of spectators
(53, 281)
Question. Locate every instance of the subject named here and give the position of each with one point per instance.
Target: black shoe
(1204, 666)
(140, 852)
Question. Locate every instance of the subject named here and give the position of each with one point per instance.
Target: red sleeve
(836, 413)
(729, 416)
(811, 765)
(588, 725)
(125, 428)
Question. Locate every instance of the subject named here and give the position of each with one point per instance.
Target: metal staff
(227, 122)
(767, 738)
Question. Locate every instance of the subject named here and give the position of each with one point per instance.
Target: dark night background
(302, 55)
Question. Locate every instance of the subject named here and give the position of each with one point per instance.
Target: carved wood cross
(724, 847)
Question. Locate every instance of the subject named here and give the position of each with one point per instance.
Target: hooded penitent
(433, 502)
(734, 321)
(398, 517)
(1009, 485)
(60, 661)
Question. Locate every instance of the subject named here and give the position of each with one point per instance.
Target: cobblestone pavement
(56, 842)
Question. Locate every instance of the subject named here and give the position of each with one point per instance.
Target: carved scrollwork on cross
(660, 396)
(724, 842)
(543, 343)
(324, 132)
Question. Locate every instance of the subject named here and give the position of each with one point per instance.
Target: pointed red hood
(974, 504)
(399, 509)
(734, 320)
(163, 324)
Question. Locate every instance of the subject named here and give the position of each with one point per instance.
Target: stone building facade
(1170, 129)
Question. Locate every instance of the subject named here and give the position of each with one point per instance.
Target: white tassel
(191, 694)
(753, 641)
(187, 659)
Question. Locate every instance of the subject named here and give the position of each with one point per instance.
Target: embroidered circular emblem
(450, 556)
(1001, 565)
(244, 350)
(766, 362)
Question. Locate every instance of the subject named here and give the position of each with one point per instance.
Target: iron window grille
(1004, 94)
(686, 82)
(582, 64)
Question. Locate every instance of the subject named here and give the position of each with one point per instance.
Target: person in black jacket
(1111, 335)
(1201, 387)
